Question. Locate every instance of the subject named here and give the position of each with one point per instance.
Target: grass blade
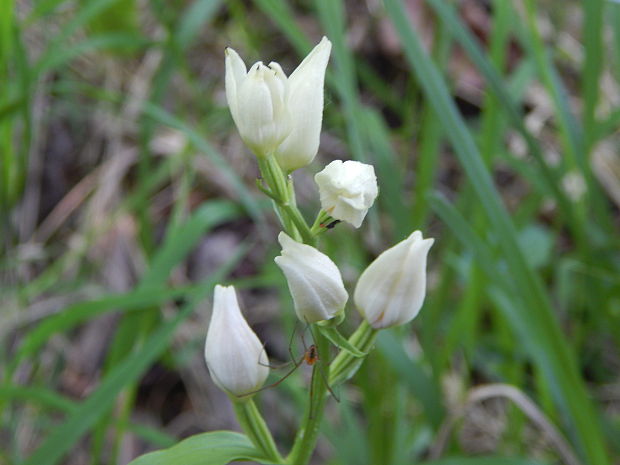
(65, 436)
(593, 28)
(247, 199)
(564, 378)
(180, 241)
(332, 15)
(496, 85)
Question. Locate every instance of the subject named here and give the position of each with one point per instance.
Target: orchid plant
(279, 118)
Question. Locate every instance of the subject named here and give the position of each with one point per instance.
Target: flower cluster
(280, 119)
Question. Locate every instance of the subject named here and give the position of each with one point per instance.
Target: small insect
(310, 357)
(329, 225)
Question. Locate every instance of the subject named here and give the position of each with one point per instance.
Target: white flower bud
(313, 279)
(276, 115)
(347, 190)
(391, 290)
(235, 357)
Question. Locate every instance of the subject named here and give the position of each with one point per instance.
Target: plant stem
(300, 223)
(321, 219)
(305, 441)
(255, 427)
(282, 191)
(278, 191)
(274, 177)
(345, 364)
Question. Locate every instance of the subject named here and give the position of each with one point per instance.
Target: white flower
(232, 349)
(391, 290)
(313, 279)
(276, 114)
(347, 189)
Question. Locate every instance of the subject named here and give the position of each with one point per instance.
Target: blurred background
(126, 194)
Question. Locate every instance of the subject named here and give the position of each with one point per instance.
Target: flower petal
(256, 113)
(235, 74)
(305, 105)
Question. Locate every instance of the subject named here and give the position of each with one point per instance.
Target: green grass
(524, 278)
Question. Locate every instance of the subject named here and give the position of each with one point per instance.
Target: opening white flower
(275, 114)
(347, 189)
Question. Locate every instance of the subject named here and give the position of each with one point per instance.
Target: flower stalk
(307, 435)
(345, 365)
(254, 425)
(281, 190)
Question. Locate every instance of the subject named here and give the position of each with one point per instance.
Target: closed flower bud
(391, 290)
(235, 357)
(275, 114)
(347, 190)
(313, 279)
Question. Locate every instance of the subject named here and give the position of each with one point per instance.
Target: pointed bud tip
(285, 240)
(222, 288)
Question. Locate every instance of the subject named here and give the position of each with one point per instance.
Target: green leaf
(340, 341)
(215, 448)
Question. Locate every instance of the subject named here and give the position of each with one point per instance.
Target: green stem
(282, 191)
(274, 177)
(300, 223)
(256, 429)
(346, 364)
(321, 219)
(278, 191)
(307, 435)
